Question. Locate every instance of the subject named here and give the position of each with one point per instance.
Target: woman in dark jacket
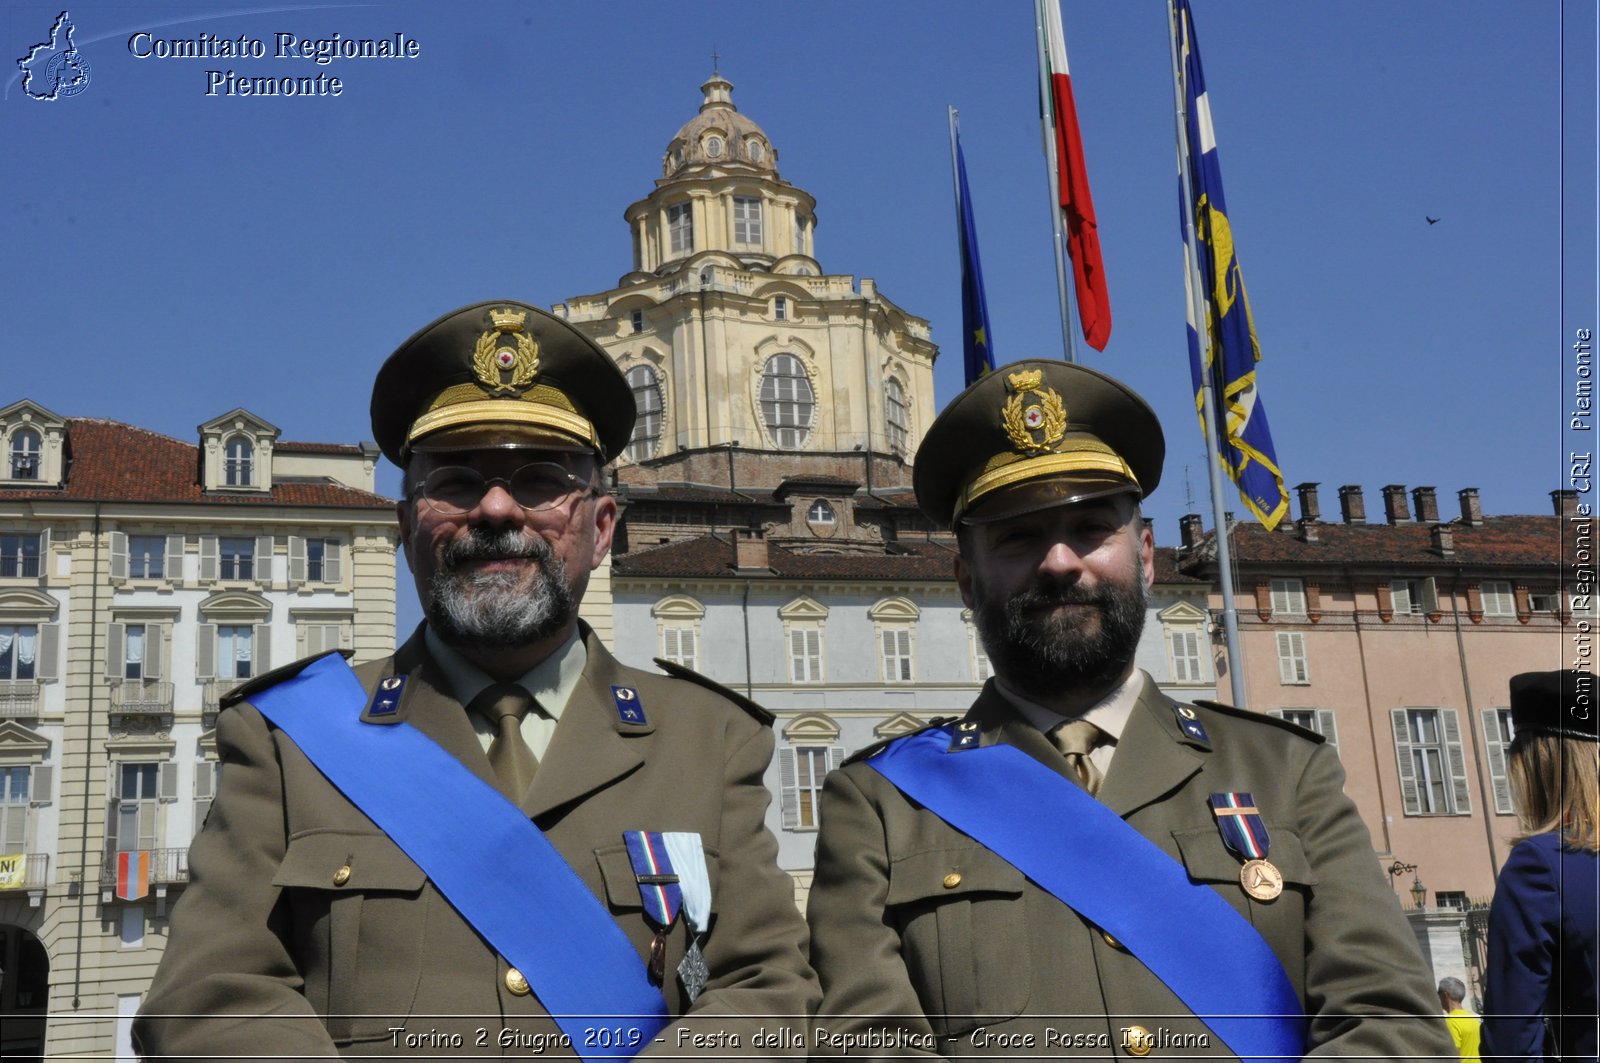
(1541, 1000)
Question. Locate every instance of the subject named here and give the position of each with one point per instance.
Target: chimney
(750, 550)
(1309, 510)
(1190, 530)
(1471, 508)
(1394, 504)
(1352, 505)
(1426, 502)
(1307, 530)
(1444, 540)
(1566, 502)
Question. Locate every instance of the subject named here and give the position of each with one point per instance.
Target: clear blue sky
(174, 255)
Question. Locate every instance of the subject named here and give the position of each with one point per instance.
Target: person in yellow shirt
(1465, 1027)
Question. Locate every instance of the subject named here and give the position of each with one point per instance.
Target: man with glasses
(500, 840)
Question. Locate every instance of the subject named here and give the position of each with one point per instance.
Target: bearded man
(1083, 867)
(499, 841)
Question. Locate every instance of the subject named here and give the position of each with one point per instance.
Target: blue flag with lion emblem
(1244, 442)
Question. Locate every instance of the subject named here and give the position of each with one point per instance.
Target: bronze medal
(658, 958)
(1261, 879)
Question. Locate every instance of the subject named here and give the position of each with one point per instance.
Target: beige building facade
(141, 577)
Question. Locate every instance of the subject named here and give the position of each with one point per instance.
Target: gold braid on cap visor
(466, 404)
(1090, 457)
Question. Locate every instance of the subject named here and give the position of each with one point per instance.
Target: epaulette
(678, 671)
(1261, 717)
(256, 685)
(870, 751)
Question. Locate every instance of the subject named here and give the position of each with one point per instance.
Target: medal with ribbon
(1245, 835)
(658, 889)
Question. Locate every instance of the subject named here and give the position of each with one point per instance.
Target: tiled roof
(1518, 541)
(712, 556)
(695, 493)
(119, 462)
(317, 448)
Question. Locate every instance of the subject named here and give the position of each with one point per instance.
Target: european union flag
(977, 355)
(1244, 441)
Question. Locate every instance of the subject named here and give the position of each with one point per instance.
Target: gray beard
(1040, 656)
(492, 610)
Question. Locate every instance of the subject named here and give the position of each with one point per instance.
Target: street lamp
(1419, 892)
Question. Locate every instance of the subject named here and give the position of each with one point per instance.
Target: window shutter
(1276, 714)
(1497, 761)
(15, 838)
(332, 568)
(119, 555)
(205, 775)
(167, 784)
(836, 755)
(686, 644)
(1458, 762)
(44, 666)
(41, 784)
(154, 643)
(260, 649)
(797, 657)
(788, 789)
(1291, 663)
(263, 559)
(1327, 728)
(1430, 596)
(174, 560)
(116, 635)
(208, 558)
(44, 553)
(297, 560)
(205, 657)
(310, 638)
(1409, 798)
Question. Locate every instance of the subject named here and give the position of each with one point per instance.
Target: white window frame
(239, 462)
(231, 566)
(805, 653)
(1288, 597)
(22, 461)
(1405, 596)
(1294, 667)
(1499, 597)
(648, 400)
(678, 620)
(16, 560)
(895, 627)
(1432, 764)
(780, 308)
(15, 640)
(788, 401)
(15, 800)
(1186, 650)
(808, 752)
(896, 415)
(150, 783)
(747, 227)
(821, 511)
(680, 228)
(1321, 721)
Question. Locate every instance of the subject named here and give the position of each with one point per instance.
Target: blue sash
(501, 873)
(1186, 934)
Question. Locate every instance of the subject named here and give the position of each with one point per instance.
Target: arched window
(646, 436)
(238, 466)
(787, 402)
(897, 412)
(25, 447)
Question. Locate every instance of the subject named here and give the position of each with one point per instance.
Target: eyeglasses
(455, 489)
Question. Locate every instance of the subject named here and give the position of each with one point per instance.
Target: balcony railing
(35, 871)
(211, 699)
(141, 696)
(19, 699)
(167, 866)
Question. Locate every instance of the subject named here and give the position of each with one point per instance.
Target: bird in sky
(1432, 221)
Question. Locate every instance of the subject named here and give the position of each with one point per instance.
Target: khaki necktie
(1077, 739)
(504, 705)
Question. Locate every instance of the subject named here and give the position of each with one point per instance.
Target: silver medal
(692, 970)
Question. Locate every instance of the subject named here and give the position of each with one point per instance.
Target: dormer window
(238, 466)
(780, 308)
(756, 150)
(25, 450)
(713, 147)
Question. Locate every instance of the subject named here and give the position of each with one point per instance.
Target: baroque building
(141, 577)
(769, 536)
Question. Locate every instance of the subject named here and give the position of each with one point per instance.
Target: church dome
(719, 136)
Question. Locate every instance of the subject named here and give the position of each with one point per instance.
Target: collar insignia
(502, 368)
(1034, 417)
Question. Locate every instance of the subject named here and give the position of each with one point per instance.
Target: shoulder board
(678, 671)
(249, 687)
(1261, 717)
(875, 748)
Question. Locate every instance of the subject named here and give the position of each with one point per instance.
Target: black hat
(500, 373)
(1558, 703)
(1035, 434)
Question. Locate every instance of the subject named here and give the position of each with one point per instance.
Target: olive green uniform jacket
(270, 956)
(923, 936)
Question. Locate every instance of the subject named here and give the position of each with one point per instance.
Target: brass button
(952, 880)
(517, 984)
(341, 876)
(1109, 940)
(1137, 1041)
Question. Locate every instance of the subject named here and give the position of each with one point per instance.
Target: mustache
(485, 545)
(1052, 593)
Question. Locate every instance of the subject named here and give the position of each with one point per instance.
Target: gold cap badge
(1035, 418)
(506, 370)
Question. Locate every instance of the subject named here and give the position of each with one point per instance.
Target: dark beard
(491, 610)
(1042, 655)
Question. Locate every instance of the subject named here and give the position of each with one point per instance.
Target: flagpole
(1197, 310)
(1052, 172)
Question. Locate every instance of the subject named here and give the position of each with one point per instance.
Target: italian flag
(1077, 206)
